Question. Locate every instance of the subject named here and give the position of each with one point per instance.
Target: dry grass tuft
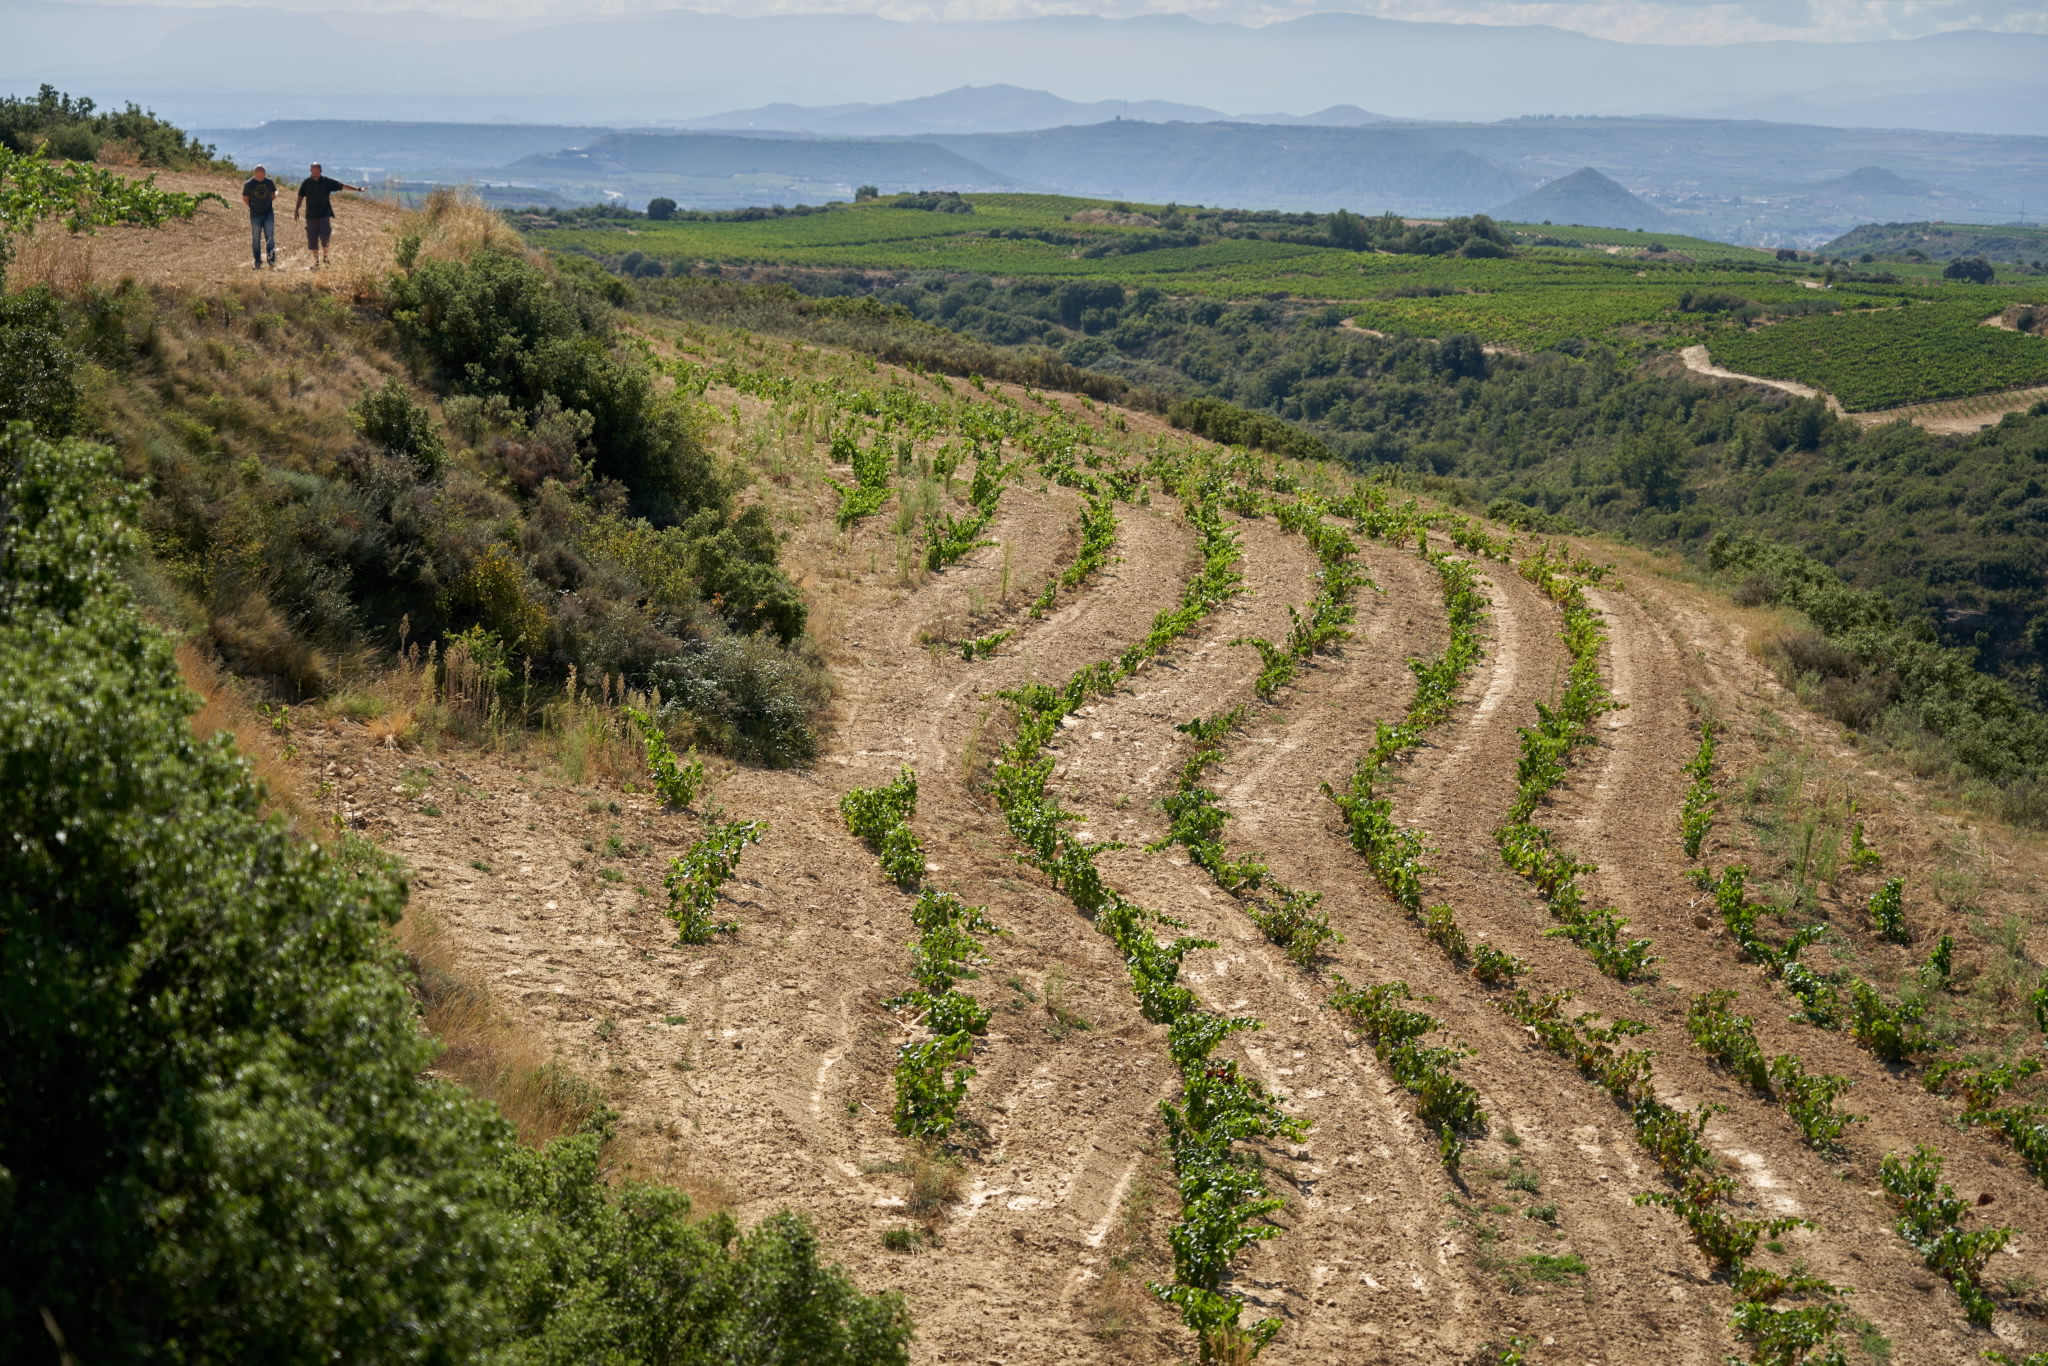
(484, 1051)
(491, 1055)
(935, 1180)
(264, 742)
(454, 224)
(59, 259)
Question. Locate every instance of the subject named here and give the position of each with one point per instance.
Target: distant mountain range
(844, 164)
(1761, 183)
(244, 64)
(996, 109)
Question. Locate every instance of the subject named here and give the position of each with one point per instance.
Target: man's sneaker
(257, 266)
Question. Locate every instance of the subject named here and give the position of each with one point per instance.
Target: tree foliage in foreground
(216, 1139)
(77, 129)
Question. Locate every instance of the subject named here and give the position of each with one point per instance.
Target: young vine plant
(676, 782)
(695, 879)
(1809, 1099)
(931, 1073)
(1931, 1222)
(1696, 817)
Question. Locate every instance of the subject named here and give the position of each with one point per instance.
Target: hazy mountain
(1877, 193)
(1944, 241)
(1870, 180)
(1336, 116)
(366, 147)
(1585, 198)
(889, 165)
(1256, 166)
(968, 109)
(216, 66)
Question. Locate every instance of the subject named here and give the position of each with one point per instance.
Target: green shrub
(76, 128)
(235, 1149)
(498, 324)
(389, 419)
(1230, 425)
(37, 365)
(753, 698)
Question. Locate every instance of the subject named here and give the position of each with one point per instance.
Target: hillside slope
(762, 1062)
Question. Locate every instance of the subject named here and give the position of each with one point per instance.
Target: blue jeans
(263, 233)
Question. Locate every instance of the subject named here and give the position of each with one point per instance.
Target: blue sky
(1662, 21)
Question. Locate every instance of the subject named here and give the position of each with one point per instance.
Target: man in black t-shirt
(316, 198)
(259, 192)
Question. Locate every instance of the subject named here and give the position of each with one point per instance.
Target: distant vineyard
(1889, 357)
(1586, 287)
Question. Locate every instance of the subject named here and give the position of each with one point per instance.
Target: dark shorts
(319, 232)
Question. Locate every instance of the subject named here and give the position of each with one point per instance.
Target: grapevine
(694, 880)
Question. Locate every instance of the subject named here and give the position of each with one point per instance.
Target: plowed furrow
(1060, 1114)
(1621, 811)
(1491, 899)
(1567, 1131)
(1363, 1270)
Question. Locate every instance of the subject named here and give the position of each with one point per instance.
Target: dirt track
(1945, 417)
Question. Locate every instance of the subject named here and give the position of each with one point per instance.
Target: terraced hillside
(1387, 938)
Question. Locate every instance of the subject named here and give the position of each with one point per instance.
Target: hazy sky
(1668, 21)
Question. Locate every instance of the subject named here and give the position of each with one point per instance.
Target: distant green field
(1597, 287)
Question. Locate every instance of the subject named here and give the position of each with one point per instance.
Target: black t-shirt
(261, 194)
(316, 192)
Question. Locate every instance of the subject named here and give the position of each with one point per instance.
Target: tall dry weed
(490, 1054)
(486, 1052)
(264, 742)
(61, 260)
(454, 224)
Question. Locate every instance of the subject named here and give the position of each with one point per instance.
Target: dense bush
(217, 1139)
(389, 419)
(497, 324)
(751, 698)
(37, 364)
(933, 201)
(1871, 671)
(1235, 426)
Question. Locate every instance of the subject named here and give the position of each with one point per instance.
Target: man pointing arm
(316, 198)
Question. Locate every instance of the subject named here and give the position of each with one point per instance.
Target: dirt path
(1696, 360)
(1944, 417)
